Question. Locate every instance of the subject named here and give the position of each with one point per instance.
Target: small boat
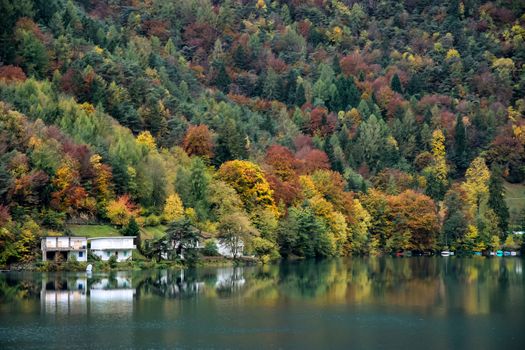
(499, 253)
(506, 253)
(492, 253)
(445, 253)
(399, 254)
(513, 253)
(477, 253)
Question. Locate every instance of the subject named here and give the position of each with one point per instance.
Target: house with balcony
(67, 247)
(106, 247)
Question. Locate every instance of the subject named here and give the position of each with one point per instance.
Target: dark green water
(431, 303)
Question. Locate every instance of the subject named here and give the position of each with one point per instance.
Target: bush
(210, 248)
(131, 229)
(152, 220)
(264, 249)
(112, 262)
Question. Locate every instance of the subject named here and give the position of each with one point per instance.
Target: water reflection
(475, 286)
(81, 293)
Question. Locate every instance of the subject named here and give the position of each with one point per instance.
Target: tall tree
(437, 172)
(460, 146)
(395, 84)
(497, 200)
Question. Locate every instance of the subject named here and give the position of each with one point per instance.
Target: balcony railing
(60, 245)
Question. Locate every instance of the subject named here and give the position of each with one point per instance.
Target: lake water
(369, 303)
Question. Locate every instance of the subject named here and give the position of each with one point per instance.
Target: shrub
(210, 248)
(112, 262)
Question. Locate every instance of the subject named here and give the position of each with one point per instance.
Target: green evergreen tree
(33, 54)
(230, 143)
(240, 57)
(291, 87)
(132, 228)
(395, 84)
(336, 65)
(222, 80)
(460, 146)
(300, 98)
(497, 200)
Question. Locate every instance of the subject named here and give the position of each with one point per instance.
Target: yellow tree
(358, 226)
(173, 209)
(248, 180)
(437, 172)
(147, 140)
(476, 185)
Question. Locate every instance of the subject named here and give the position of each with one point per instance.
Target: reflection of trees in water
(171, 283)
(470, 285)
(432, 284)
(14, 289)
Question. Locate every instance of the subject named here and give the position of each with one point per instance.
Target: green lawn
(515, 198)
(152, 232)
(92, 231)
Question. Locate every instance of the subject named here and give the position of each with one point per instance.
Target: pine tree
(132, 228)
(240, 57)
(395, 84)
(460, 152)
(336, 66)
(497, 200)
(291, 87)
(300, 98)
(353, 93)
(222, 80)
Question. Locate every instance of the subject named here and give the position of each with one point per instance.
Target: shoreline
(139, 265)
(134, 265)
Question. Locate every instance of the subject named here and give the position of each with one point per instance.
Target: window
(125, 253)
(80, 254)
(108, 254)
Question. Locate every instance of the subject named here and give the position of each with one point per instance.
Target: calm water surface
(434, 303)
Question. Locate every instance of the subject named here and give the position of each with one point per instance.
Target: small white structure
(68, 247)
(225, 249)
(105, 247)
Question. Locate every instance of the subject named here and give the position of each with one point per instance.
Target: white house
(105, 247)
(225, 249)
(68, 247)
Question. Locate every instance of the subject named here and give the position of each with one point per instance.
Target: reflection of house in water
(176, 284)
(112, 295)
(230, 278)
(82, 295)
(190, 283)
(64, 296)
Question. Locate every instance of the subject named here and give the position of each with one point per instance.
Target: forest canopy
(326, 128)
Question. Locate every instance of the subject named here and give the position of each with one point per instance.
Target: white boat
(513, 253)
(445, 253)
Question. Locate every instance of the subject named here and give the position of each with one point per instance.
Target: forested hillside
(306, 127)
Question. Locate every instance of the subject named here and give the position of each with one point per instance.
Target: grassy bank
(94, 231)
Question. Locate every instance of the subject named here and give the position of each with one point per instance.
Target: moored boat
(445, 253)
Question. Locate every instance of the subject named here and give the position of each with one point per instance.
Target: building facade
(106, 247)
(66, 248)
